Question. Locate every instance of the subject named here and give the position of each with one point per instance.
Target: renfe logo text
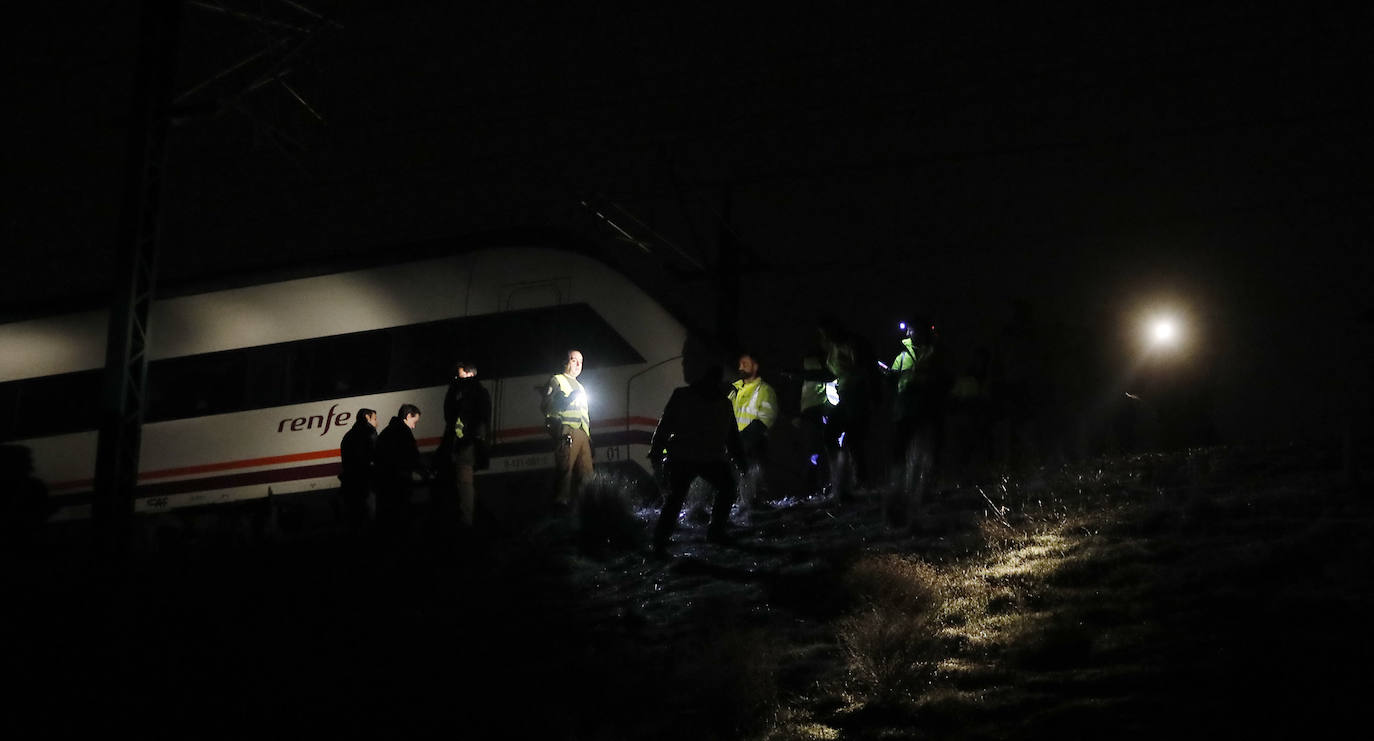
(323, 421)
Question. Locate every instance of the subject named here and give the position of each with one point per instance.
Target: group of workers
(388, 464)
(707, 426)
(709, 430)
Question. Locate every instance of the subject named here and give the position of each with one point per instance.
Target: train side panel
(294, 448)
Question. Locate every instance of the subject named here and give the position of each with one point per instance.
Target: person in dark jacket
(24, 502)
(463, 448)
(696, 437)
(355, 477)
(851, 368)
(397, 468)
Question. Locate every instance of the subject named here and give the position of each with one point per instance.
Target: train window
(423, 355)
(195, 386)
(346, 365)
(516, 343)
(267, 376)
(53, 405)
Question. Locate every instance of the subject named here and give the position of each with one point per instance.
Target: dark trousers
(453, 495)
(680, 476)
(754, 478)
(393, 509)
(919, 438)
(815, 460)
(917, 447)
(846, 440)
(350, 505)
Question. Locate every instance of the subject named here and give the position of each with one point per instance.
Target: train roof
(646, 274)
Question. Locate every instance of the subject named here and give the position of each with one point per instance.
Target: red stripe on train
(324, 454)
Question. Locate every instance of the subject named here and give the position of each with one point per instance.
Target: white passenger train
(252, 389)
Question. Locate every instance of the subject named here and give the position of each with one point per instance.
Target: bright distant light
(1164, 331)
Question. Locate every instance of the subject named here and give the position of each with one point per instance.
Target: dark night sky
(1092, 161)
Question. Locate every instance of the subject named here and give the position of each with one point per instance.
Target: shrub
(890, 642)
(894, 582)
(606, 520)
(889, 652)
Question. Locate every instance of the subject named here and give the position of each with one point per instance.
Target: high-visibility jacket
(910, 362)
(840, 361)
(754, 400)
(812, 392)
(566, 403)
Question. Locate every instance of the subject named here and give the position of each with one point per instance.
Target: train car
(251, 389)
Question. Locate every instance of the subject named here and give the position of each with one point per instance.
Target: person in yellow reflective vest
(918, 416)
(756, 409)
(569, 425)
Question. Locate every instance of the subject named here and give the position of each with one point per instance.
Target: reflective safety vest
(754, 400)
(831, 389)
(571, 409)
(908, 362)
(812, 392)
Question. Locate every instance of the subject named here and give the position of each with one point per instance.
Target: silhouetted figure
(462, 449)
(398, 468)
(696, 437)
(851, 365)
(969, 418)
(811, 423)
(27, 506)
(356, 475)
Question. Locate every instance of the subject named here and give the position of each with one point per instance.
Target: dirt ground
(1218, 590)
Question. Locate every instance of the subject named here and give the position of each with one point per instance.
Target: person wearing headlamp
(918, 414)
(566, 418)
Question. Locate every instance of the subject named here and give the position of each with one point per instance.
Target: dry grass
(1083, 590)
(728, 686)
(890, 642)
(894, 582)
